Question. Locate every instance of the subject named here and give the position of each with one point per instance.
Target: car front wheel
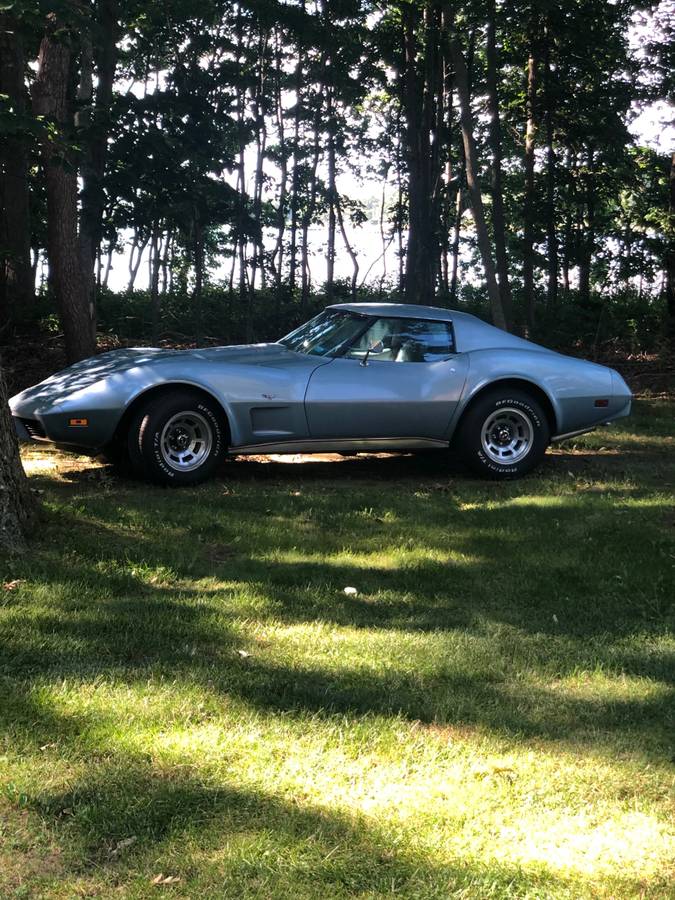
(504, 434)
(177, 439)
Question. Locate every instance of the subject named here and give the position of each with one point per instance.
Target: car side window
(404, 341)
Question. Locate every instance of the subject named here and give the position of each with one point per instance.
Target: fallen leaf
(123, 844)
(13, 585)
(165, 879)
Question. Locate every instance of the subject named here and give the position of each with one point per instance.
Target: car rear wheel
(504, 434)
(177, 439)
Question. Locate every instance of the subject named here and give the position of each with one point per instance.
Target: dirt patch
(23, 858)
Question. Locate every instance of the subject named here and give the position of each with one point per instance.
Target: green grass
(187, 691)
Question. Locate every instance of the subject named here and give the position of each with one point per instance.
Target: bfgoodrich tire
(177, 439)
(504, 434)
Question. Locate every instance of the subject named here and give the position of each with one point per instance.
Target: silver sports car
(357, 377)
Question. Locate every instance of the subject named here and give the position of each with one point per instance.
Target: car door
(401, 378)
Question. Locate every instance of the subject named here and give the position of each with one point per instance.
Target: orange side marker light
(78, 423)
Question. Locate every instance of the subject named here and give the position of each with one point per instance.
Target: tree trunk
(551, 235)
(419, 94)
(670, 258)
(332, 193)
(587, 240)
(473, 186)
(17, 507)
(135, 261)
(17, 281)
(155, 247)
(94, 120)
(277, 260)
(258, 263)
(295, 180)
(348, 247)
(310, 210)
(50, 99)
(197, 294)
(528, 210)
(495, 137)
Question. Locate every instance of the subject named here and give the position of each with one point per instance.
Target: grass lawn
(187, 692)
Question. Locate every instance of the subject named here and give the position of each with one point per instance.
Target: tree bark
(528, 209)
(419, 93)
(495, 137)
(197, 294)
(17, 281)
(94, 120)
(308, 214)
(258, 262)
(295, 179)
(17, 507)
(473, 186)
(587, 240)
(51, 100)
(551, 234)
(348, 247)
(155, 260)
(332, 193)
(670, 257)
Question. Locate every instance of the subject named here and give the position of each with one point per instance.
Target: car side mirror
(375, 347)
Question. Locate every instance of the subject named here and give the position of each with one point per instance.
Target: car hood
(88, 372)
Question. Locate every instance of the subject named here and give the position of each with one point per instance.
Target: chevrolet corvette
(358, 377)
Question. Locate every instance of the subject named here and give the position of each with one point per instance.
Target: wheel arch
(159, 390)
(523, 384)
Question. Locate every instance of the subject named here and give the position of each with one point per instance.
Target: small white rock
(350, 591)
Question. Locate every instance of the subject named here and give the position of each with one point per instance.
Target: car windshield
(325, 334)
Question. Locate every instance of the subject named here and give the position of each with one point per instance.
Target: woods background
(212, 161)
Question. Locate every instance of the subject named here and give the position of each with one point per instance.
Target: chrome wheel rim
(186, 441)
(507, 436)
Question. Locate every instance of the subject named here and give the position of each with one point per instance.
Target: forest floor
(192, 705)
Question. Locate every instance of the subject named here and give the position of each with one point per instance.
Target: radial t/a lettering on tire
(177, 438)
(504, 434)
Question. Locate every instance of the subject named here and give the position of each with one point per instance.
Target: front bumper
(28, 430)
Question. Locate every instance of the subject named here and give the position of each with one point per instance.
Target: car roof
(402, 310)
(471, 332)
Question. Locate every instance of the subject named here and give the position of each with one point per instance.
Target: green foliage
(234, 128)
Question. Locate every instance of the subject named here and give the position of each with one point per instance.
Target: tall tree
(99, 57)
(495, 134)
(529, 205)
(52, 102)
(16, 276)
(473, 184)
(670, 254)
(421, 80)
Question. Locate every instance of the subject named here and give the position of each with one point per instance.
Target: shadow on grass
(95, 620)
(124, 814)
(136, 584)
(276, 847)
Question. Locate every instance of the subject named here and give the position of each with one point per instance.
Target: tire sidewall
(146, 434)
(470, 443)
